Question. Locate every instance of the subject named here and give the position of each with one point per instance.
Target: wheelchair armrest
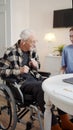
(10, 80)
(45, 74)
(15, 88)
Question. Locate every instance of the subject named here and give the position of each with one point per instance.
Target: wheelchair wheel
(8, 117)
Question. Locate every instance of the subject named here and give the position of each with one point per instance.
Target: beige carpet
(19, 126)
(23, 127)
(5, 118)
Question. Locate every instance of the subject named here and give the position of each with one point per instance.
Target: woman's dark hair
(71, 29)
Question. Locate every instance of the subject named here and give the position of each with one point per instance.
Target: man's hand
(33, 63)
(24, 69)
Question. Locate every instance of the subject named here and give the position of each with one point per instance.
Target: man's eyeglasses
(32, 41)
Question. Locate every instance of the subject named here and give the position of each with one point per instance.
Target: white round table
(59, 93)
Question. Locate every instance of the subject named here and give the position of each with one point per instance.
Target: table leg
(47, 113)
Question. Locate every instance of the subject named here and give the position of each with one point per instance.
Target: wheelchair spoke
(7, 111)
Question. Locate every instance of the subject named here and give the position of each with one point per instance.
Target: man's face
(71, 36)
(30, 44)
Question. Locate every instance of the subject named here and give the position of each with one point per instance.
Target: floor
(4, 118)
(21, 126)
(35, 126)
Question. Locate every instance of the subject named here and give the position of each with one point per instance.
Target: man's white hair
(25, 34)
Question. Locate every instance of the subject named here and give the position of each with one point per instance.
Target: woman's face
(71, 36)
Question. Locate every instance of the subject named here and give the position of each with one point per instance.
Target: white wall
(19, 18)
(38, 15)
(41, 20)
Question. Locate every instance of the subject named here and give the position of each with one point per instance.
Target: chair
(14, 106)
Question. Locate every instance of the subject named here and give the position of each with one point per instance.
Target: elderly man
(22, 61)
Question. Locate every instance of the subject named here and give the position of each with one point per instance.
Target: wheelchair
(14, 106)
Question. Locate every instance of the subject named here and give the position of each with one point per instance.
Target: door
(5, 29)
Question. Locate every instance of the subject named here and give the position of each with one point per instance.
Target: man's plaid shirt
(12, 61)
